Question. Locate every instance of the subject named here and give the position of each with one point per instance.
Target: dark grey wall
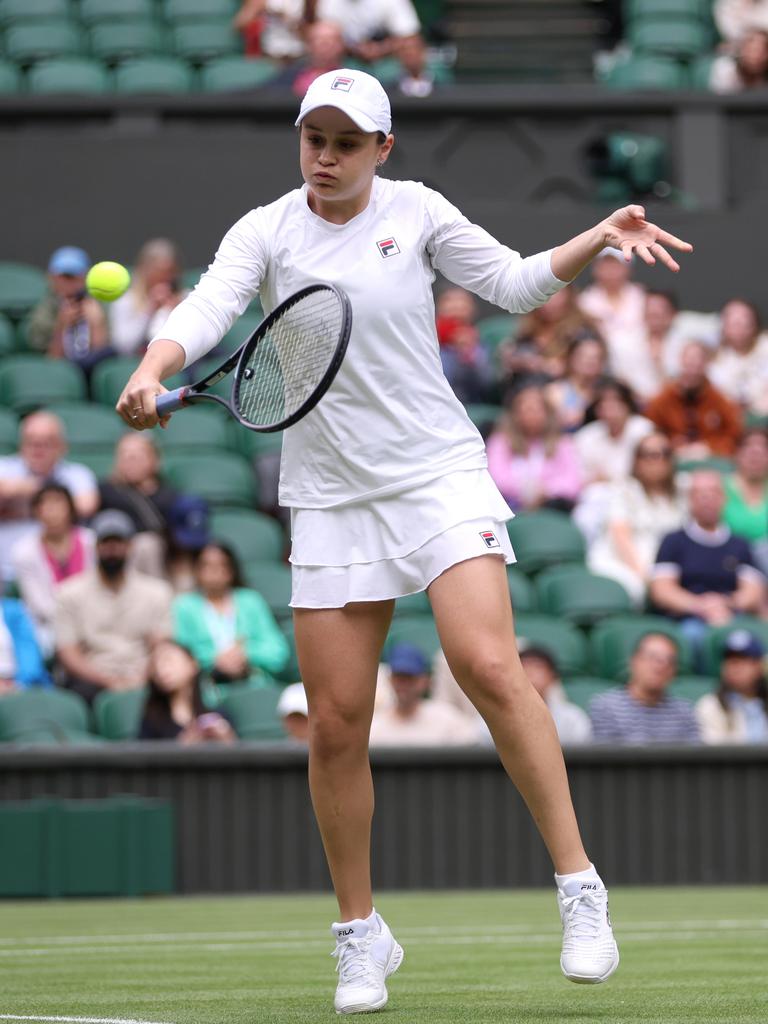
(444, 819)
(109, 173)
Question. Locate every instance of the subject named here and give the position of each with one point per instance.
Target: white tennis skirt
(396, 545)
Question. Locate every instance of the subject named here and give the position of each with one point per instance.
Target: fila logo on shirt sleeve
(490, 538)
(388, 247)
(343, 83)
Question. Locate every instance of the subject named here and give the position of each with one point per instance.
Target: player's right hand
(136, 404)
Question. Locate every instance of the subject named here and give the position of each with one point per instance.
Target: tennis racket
(284, 368)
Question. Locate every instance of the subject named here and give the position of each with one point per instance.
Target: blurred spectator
(67, 323)
(643, 509)
(455, 313)
(466, 364)
(544, 336)
(108, 618)
(42, 447)
(44, 560)
(584, 367)
(740, 368)
(572, 724)
(174, 709)
(745, 68)
(697, 418)
(372, 28)
(704, 575)
(416, 79)
(414, 718)
(647, 362)
(613, 301)
(607, 443)
(734, 18)
(642, 711)
(746, 491)
(136, 317)
(21, 661)
(294, 712)
(738, 712)
(273, 27)
(229, 629)
(531, 462)
(325, 52)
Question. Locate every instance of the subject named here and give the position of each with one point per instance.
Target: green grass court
(688, 955)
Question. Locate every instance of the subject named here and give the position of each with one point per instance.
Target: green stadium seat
(223, 478)
(117, 41)
(42, 714)
(700, 71)
(419, 630)
(199, 428)
(613, 640)
(564, 641)
(9, 432)
(497, 328)
(109, 378)
(31, 42)
(21, 287)
(117, 715)
(581, 689)
(254, 536)
(7, 336)
(520, 590)
(715, 640)
(273, 582)
(647, 71)
(661, 9)
(692, 688)
(719, 463)
(576, 595)
(191, 276)
(388, 70)
(685, 38)
(154, 75)
(76, 75)
(29, 382)
(205, 40)
(239, 332)
(203, 367)
(10, 79)
(100, 463)
(290, 672)
(484, 415)
(13, 11)
(92, 12)
(253, 712)
(413, 604)
(90, 426)
(545, 538)
(199, 10)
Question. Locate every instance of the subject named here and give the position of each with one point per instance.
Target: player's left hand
(628, 230)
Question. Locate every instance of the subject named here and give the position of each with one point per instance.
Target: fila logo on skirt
(490, 538)
(388, 247)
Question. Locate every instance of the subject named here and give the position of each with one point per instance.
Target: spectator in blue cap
(738, 712)
(415, 719)
(67, 323)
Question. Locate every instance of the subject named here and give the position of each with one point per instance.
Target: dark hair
(157, 710)
(723, 690)
(604, 385)
(750, 306)
(53, 487)
(228, 552)
(579, 339)
(655, 632)
(662, 293)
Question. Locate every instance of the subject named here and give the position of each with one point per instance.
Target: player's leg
(338, 651)
(474, 619)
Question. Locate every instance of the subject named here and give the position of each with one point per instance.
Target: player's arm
(136, 404)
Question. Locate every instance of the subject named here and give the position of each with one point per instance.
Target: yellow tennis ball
(107, 281)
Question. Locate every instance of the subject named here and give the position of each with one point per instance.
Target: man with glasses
(642, 711)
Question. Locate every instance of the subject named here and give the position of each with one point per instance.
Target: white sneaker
(367, 955)
(590, 954)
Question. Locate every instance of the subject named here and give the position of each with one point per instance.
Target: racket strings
(291, 358)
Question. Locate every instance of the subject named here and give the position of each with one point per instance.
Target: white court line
(77, 1020)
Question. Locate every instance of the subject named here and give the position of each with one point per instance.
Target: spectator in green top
(746, 490)
(228, 628)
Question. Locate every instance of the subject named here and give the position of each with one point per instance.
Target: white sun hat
(359, 95)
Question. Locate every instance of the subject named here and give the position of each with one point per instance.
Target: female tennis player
(388, 489)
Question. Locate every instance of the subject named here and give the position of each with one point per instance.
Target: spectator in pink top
(325, 52)
(531, 461)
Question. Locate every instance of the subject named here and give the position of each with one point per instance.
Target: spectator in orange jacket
(697, 418)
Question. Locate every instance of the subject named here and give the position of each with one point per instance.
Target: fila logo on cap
(490, 539)
(388, 247)
(340, 82)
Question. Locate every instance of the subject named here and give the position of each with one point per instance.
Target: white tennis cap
(359, 95)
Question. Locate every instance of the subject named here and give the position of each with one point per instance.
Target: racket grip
(170, 401)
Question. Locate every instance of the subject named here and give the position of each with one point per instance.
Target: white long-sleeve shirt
(389, 420)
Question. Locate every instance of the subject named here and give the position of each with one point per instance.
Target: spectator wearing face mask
(108, 618)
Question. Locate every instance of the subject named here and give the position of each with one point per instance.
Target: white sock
(373, 920)
(590, 873)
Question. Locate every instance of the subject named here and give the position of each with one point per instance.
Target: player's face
(338, 161)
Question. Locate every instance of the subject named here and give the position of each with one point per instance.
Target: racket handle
(170, 401)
